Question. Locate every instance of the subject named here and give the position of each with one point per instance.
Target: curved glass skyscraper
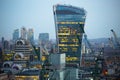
(69, 25)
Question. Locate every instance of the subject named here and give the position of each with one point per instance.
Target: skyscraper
(2, 42)
(69, 25)
(1, 55)
(6, 45)
(16, 34)
(30, 35)
(44, 38)
(23, 33)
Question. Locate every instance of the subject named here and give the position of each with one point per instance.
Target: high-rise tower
(69, 25)
(16, 34)
(30, 36)
(44, 38)
(23, 33)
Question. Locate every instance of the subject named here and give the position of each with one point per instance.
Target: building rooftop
(69, 8)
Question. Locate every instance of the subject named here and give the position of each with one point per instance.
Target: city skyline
(102, 16)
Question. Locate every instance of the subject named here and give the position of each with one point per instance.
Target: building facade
(23, 50)
(30, 35)
(2, 42)
(23, 33)
(44, 38)
(69, 25)
(16, 34)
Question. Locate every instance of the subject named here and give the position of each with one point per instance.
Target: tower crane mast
(116, 38)
(111, 42)
(85, 37)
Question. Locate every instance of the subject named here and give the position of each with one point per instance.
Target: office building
(1, 55)
(6, 45)
(16, 34)
(23, 33)
(30, 36)
(2, 42)
(69, 25)
(44, 38)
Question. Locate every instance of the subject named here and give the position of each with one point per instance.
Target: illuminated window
(81, 22)
(74, 49)
(71, 58)
(65, 49)
(73, 45)
(62, 45)
(70, 22)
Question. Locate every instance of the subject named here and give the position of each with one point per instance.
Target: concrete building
(23, 48)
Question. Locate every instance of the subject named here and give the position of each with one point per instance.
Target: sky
(102, 16)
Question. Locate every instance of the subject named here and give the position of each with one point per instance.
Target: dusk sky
(102, 15)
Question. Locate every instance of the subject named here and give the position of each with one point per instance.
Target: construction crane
(36, 51)
(40, 52)
(46, 63)
(116, 39)
(89, 45)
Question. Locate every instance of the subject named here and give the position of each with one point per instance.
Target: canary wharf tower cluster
(69, 25)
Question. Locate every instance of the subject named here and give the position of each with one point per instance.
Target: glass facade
(69, 25)
(30, 35)
(16, 34)
(44, 38)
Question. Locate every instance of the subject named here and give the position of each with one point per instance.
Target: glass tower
(30, 35)
(69, 25)
(23, 33)
(16, 34)
(44, 38)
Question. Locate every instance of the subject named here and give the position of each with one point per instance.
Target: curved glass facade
(69, 25)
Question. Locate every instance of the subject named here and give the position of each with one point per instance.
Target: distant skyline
(102, 16)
